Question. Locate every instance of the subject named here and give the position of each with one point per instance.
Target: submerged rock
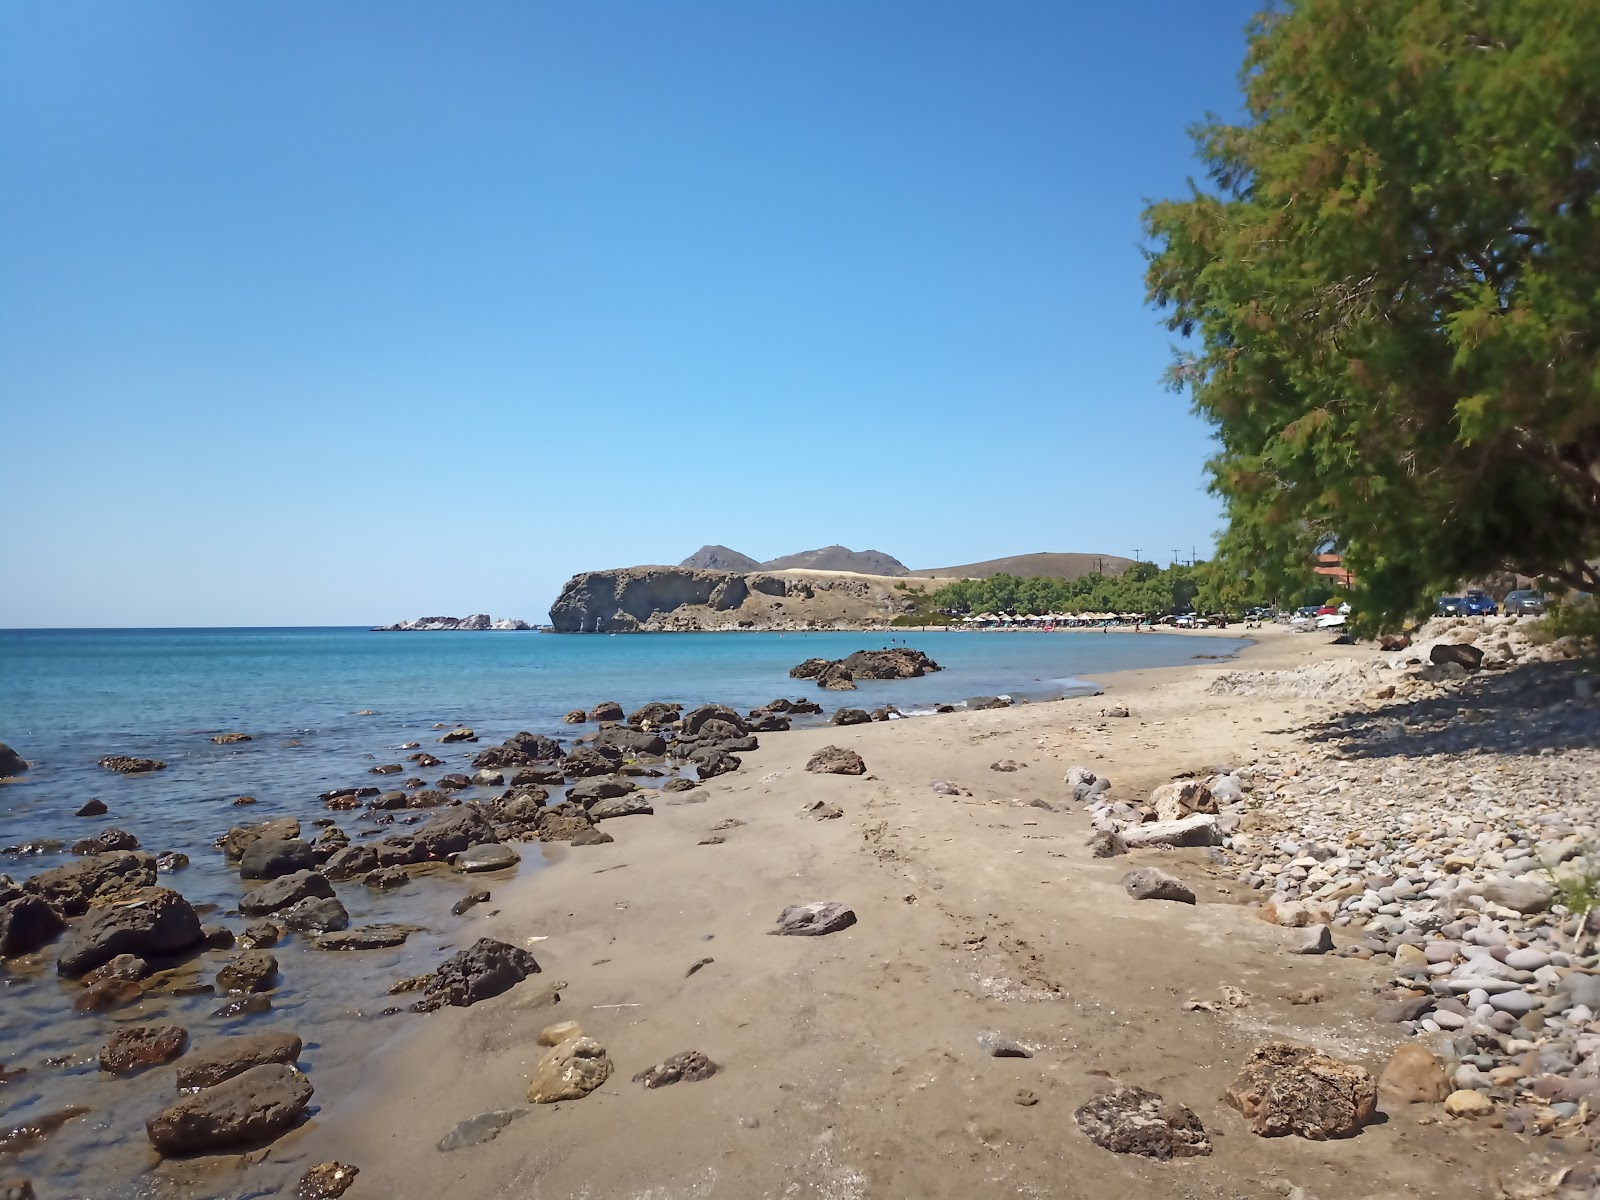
(142, 1046)
(484, 1127)
(152, 921)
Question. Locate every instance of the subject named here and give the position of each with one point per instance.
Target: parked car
(1478, 604)
(1448, 606)
(1524, 603)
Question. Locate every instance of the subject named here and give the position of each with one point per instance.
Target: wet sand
(849, 1062)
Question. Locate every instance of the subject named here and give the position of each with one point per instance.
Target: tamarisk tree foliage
(1390, 294)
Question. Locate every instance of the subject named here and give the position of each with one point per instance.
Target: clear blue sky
(320, 312)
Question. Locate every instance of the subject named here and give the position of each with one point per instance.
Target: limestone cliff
(680, 599)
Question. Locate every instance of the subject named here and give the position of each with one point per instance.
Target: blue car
(1473, 604)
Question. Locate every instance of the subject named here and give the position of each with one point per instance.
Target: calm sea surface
(323, 706)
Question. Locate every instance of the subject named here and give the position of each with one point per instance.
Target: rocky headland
(686, 599)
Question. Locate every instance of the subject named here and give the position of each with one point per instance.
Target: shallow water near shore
(323, 706)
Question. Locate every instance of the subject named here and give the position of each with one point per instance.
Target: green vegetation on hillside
(1143, 588)
(1387, 292)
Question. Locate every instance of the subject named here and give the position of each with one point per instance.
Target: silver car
(1525, 603)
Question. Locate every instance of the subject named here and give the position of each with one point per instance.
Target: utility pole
(1136, 554)
(1177, 558)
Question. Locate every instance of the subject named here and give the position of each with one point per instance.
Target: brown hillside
(1028, 566)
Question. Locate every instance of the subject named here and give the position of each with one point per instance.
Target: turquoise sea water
(69, 697)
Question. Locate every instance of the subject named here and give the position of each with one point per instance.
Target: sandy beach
(849, 1063)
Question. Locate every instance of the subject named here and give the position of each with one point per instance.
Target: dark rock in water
(249, 1109)
(244, 1006)
(326, 1181)
(26, 924)
(467, 901)
(680, 784)
(270, 858)
(351, 861)
(532, 776)
(1131, 1120)
(455, 782)
(16, 1188)
(237, 840)
(169, 861)
(484, 969)
(223, 1058)
(576, 717)
(151, 921)
(123, 966)
(631, 742)
(687, 1066)
(142, 1046)
(259, 935)
(34, 1130)
(368, 937)
(386, 879)
(106, 841)
(390, 802)
(695, 722)
(382, 769)
(452, 832)
(489, 856)
(100, 877)
(284, 891)
(767, 722)
(1152, 883)
(586, 792)
(850, 716)
(94, 808)
(12, 764)
(35, 847)
(711, 763)
(890, 663)
(804, 707)
(217, 937)
(608, 710)
(328, 798)
(591, 837)
(655, 715)
(587, 761)
(977, 703)
(484, 1127)
(459, 735)
(810, 669)
(315, 916)
(835, 760)
(123, 765)
(249, 971)
(232, 739)
(397, 851)
(106, 994)
(814, 919)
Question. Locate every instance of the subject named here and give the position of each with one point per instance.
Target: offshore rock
(12, 764)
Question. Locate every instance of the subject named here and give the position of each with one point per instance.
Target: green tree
(1391, 287)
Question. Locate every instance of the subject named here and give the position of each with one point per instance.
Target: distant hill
(720, 558)
(838, 558)
(1029, 566)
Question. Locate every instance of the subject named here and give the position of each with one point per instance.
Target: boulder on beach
(569, 1070)
(588, 792)
(314, 915)
(452, 832)
(237, 840)
(687, 1066)
(606, 710)
(248, 971)
(1182, 798)
(152, 920)
(484, 969)
(836, 760)
(1132, 1120)
(349, 862)
(12, 764)
(1413, 1075)
(850, 716)
(1152, 883)
(223, 1058)
(270, 858)
(587, 761)
(711, 762)
(1287, 1089)
(695, 721)
(250, 1109)
(1200, 829)
(637, 804)
(655, 715)
(631, 742)
(106, 841)
(814, 919)
(488, 856)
